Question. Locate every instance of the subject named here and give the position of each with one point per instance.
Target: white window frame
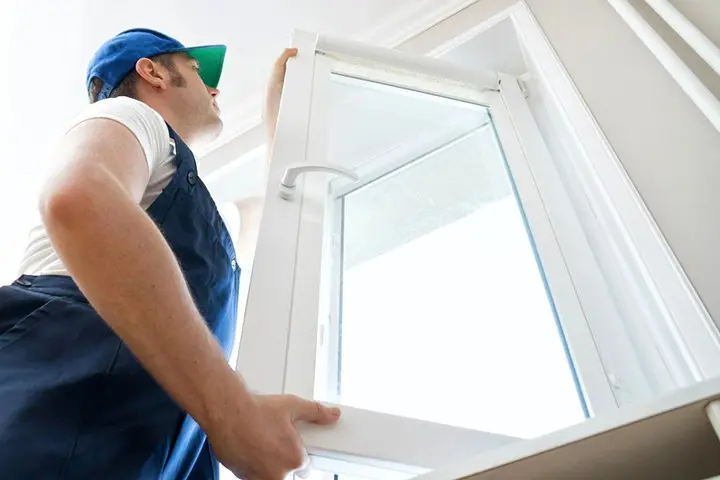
(290, 321)
(656, 295)
(633, 252)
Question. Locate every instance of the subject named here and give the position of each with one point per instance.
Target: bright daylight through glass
(444, 313)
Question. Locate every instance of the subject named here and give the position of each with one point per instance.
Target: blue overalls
(74, 402)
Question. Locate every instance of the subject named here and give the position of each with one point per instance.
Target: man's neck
(181, 127)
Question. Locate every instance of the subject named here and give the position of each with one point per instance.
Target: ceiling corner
(412, 20)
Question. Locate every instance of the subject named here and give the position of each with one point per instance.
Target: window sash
(278, 349)
(302, 347)
(300, 378)
(370, 438)
(262, 355)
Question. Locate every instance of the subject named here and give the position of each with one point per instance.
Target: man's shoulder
(121, 107)
(143, 121)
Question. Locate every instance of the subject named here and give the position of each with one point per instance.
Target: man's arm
(126, 269)
(273, 94)
(251, 208)
(124, 266)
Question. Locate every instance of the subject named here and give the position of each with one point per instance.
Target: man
(114, 341)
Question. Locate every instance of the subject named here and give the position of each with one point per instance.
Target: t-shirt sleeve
(145, 123)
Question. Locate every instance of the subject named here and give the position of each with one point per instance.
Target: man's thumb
(314, 412)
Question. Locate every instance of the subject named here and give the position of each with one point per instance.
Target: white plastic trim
(649, 259)
(392, 59)
(349, 72)
(713, 413)
(688, 81)
(302, 336)
(264, 338)
(702, 45)
(559, 227)
(511, 117)
(404, 444)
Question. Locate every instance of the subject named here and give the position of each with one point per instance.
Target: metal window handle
(287, 184)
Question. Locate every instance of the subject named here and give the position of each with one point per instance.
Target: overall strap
(183, 154)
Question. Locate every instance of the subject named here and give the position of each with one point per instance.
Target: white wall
(670, 150)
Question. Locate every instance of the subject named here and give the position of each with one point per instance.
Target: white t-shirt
(151, 131)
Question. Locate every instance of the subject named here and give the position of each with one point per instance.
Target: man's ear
(151, 73)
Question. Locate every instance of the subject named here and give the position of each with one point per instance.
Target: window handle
(287, 184)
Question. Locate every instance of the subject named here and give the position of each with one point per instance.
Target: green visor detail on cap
(211, 60)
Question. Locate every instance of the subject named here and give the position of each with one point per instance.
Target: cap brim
(211, 59)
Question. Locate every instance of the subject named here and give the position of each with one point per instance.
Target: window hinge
(523, 81)
(523, 88)
(498, 85)
(520, 83)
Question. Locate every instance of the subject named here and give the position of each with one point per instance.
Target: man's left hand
(274, 90)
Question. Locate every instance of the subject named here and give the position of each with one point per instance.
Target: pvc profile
(341, 49)
(701, 96)
(702, 45)
(713, 413)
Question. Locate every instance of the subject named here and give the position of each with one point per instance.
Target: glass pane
(442, 309)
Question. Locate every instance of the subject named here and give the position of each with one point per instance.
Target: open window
(429, 261)
(407, 267)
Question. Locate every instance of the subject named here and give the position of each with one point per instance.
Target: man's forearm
(126, 269)
(270, 117)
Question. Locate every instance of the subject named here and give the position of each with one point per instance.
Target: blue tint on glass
(561, 332)
(340, 301)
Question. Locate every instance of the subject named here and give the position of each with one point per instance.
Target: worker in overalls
(114, 341)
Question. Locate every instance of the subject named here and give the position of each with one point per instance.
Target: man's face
(196, 101)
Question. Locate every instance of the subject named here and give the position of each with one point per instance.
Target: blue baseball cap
(117, 57)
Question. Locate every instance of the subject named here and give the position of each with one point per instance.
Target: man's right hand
(260, 442)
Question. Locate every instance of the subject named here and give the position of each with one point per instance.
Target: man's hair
(128, 85)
